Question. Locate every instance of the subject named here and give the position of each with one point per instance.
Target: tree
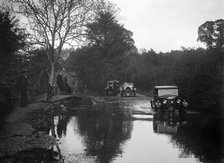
(55, 23)
(89, 66)
(111, 40)
(212, 33)
(11, 41)
(109, 36)
(108, 45)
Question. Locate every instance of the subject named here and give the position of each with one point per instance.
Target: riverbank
(18, 133)
(24, 130)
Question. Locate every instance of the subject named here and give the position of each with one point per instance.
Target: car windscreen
(162, 92)
(128, 84)
(110, 83)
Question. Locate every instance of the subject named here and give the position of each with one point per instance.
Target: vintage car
(169, 108)
(112, 87)
(128, 89)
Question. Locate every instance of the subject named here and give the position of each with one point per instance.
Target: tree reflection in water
(202, 137)
(104, 129)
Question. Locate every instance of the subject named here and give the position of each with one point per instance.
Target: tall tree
(55, 23)
(11, 41)
(112, 40)
(108, 44)
(109, 36)
(212, 33)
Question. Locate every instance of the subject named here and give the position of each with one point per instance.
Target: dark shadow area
(7, 102)
(37, 155)
(202, 136)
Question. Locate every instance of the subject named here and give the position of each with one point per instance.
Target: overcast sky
(165, 25)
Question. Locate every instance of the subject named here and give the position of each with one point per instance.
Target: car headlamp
(185, 103)
(164, 101)
(178, 101)
(158, 104)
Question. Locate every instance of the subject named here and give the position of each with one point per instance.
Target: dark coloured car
(168, 106)
(112, 87)
(128, 89)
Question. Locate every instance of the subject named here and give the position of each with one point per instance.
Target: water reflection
(160, 126)
(58, 126)
(108, 133)
(202, 137)
(95, 134)
(104, 130)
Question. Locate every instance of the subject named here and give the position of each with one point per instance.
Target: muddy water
(110, 132)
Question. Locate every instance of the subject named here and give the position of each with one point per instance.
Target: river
(111, 132)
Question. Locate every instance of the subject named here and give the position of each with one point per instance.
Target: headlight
(178, 101)
(158, 104)
(134, 88)
(164, 101)
(185, 103)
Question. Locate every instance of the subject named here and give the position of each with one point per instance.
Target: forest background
(109, 53)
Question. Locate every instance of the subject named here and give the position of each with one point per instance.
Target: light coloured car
(128, 89)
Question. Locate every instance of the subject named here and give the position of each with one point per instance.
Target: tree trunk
(52, 74)
(51, 81)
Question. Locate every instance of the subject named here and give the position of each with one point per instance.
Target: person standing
(68, 88)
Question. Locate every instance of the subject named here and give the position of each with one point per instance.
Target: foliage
(197, 72)
(89, 66)
(53, 24)
(109, 36)
(37, 68)
(212, 33)
(11, 41)
(109, 45)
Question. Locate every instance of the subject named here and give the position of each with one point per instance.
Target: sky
(165, 25)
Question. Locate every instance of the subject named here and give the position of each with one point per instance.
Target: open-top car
(168, 106)
(112, 87)
(128, 89)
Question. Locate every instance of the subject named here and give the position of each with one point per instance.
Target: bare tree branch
(55, 23)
